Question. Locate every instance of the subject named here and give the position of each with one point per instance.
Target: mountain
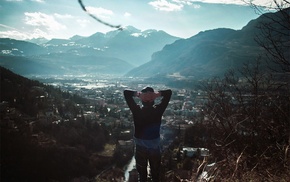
(130, 44)
(38, 41)
(209, 53)
(115, 52)
(19, 48)
(26, 58)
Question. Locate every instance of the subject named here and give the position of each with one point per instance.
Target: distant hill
(115, 52)
(65, 63)
(209, 53)
(20, 48)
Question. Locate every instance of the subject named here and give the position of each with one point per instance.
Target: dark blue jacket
(147, 120)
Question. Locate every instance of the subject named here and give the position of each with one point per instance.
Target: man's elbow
(168, 92)
(128, 93)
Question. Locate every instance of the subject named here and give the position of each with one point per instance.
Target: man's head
(149, 91)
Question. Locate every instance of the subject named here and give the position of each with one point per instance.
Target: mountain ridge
(207, 54)
(112, 53)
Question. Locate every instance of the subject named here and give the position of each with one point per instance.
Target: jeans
(142, 157)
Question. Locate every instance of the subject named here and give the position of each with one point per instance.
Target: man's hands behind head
(149, 96)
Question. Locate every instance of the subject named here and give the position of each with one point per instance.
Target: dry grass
(108, 151)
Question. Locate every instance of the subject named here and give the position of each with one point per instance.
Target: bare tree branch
(96, 18)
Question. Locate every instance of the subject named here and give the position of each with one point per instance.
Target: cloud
(127, 14)
(11, 32)
(14, 0)
(187, 2)
(39, 1)
(20, 35)
(42, 20)
(7, 27)
(83, 22)
(100, 12)
(266, 3)
(164, 5)
(176, 5)
(237, 2)
(36, 33)
(63, 16)
(173, 5)
(14, 34)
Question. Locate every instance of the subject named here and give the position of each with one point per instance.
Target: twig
(254, 167)
(96, 18)
(286, 153)
(200, 166)
(238, 160)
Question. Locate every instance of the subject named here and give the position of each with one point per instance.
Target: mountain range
(136, 53)
(212, 52)
(115, 52)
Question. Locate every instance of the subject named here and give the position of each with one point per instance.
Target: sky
(28, 19)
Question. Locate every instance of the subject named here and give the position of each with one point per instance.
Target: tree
(274, 34)
(274, 38)
(247, 115)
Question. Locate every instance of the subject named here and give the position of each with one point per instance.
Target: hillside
(39, 141)
(209, 53)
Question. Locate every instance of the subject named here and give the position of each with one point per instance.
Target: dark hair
(147, 89)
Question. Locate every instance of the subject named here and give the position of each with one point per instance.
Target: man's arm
(129, 94)
(166, 95)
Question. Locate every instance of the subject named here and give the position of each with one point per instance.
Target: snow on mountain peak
(140, 35)
(131, 29)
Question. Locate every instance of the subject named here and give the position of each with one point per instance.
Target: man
(147, 121)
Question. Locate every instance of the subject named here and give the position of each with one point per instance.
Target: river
(129, 167)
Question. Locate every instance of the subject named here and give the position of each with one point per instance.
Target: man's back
(147, 120)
